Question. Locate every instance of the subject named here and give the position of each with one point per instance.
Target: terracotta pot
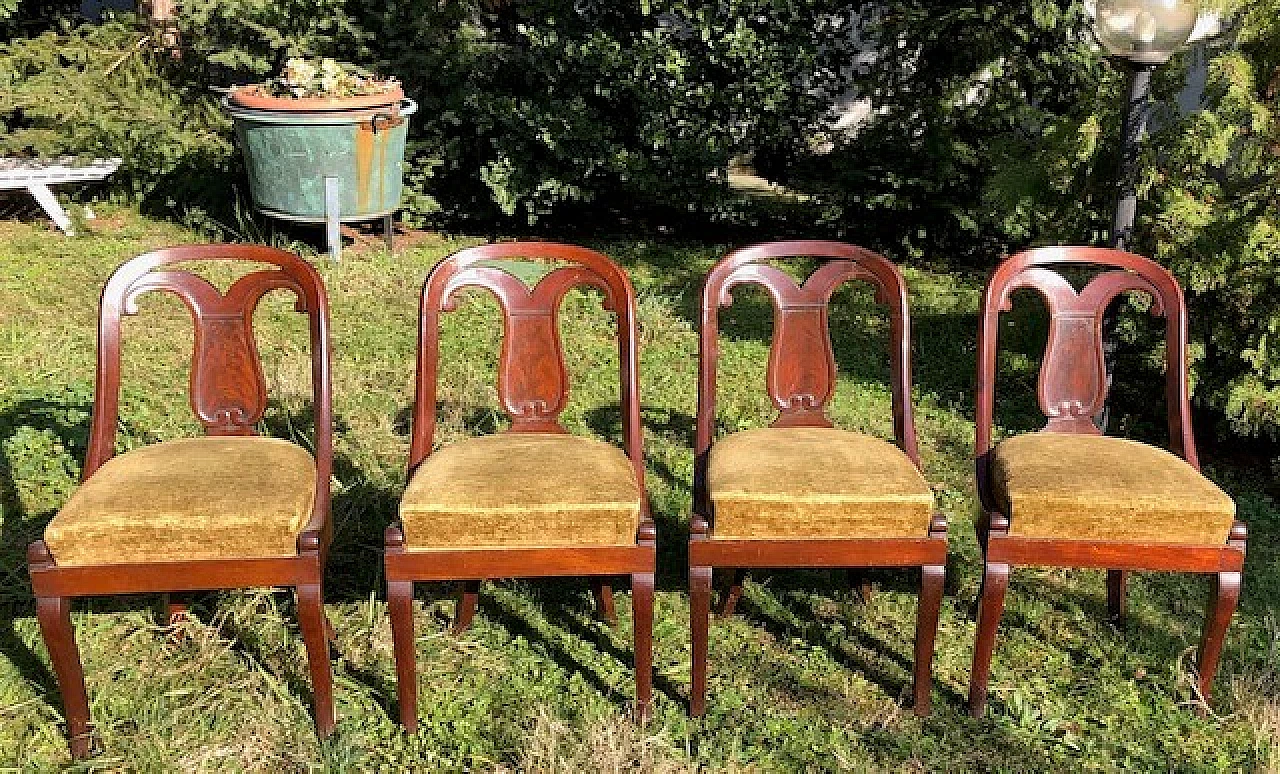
(253, 98)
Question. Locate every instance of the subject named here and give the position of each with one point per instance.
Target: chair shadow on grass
(569, 604)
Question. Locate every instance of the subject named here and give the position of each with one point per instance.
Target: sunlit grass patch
(807, 677)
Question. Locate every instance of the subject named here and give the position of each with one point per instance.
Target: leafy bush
(991, 127)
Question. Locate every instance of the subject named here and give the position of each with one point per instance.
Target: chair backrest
(801, 376)
(228, 391)
(1073, 381)
(533, 385)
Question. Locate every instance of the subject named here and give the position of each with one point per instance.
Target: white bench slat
(36, 175)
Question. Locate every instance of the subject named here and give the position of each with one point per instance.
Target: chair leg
(642, 618)
(314, 625)
(1222, 604)
(860, 580)
(931, 584)
(995, 581)
(729, 602)
(176, 608)
(699, 621)
(468, 596)
(603, 592)
(400, 607)
(59, 637)
(1117, 595)
(330, 634)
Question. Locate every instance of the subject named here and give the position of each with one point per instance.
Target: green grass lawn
(807, 677)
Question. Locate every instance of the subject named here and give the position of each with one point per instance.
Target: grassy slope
(807, 677)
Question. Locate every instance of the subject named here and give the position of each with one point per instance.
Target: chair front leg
(315, 633)
(1222, 605)
(699, 622)
(995, 581)
(400, 608)
(932, 580)
(54, 614)
(642, 615)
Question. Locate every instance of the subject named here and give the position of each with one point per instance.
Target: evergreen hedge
(994, 127)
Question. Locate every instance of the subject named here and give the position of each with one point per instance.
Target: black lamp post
(1144, 34)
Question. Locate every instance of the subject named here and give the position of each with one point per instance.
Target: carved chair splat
(1072, 389)
(228, 396)
(533, 389)
(800, 382)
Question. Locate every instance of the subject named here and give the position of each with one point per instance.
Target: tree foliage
(990, 127)
(1213, 198)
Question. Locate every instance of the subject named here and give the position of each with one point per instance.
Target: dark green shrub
(994, 126)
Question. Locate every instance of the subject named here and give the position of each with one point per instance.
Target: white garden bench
(36, 175)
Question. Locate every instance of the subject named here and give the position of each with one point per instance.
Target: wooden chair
(533, 501)
(801, 493)
(1068, 496)
(229, 510)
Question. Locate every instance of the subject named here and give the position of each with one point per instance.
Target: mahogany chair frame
(1072, 391)
(533, 389)
(801, 380)
(228, 395)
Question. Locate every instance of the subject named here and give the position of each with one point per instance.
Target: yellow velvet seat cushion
(812, 483)
(1090, 487)
(197, 498)
(522, 490)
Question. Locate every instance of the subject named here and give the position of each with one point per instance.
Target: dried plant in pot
(309, 85)
(323, 142)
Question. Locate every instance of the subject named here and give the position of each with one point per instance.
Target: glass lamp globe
(1144, 31)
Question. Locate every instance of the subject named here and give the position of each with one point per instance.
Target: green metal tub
(289, 155)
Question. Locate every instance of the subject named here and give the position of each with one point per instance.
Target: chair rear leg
(54, 614)
(1222, 605)
(995, 581)
(1117, 595)
(699, 622)
(400, 608)
(176, 608)
(642, 617)
(603, 592)
(729, 602)
(330, 634)
(932, 578)
(468, 597)
(860, 579)
(315, 625)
